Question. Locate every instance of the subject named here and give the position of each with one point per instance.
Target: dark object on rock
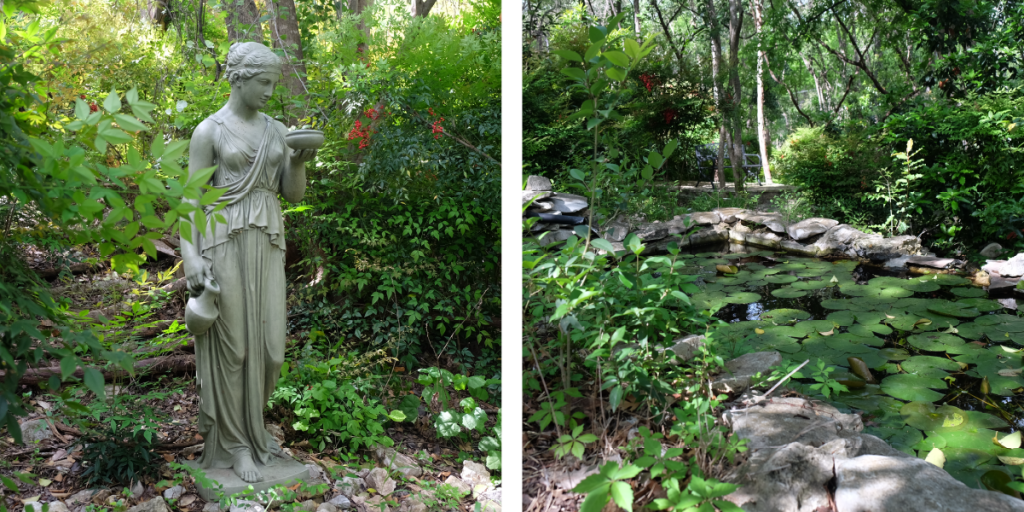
(557, 219)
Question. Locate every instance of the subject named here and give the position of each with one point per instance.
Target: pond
(941, 359)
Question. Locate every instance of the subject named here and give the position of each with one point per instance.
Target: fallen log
(163, 365)
(76, 269)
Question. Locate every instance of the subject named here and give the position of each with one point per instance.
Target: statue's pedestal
(285, 472)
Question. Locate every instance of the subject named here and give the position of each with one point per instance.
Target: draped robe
(239, 359)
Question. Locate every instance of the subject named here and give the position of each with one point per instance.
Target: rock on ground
(810, 227)
(155, 505)
(341, 501)
(327, 507)
(740, 371)
(567, 204)
(1014, 267)
(376, 478)
(992, 251)
(34, 431)
(350, 485)
(174, 492)
(874, 483)
(687, 347)
(399, 462)
(538, 183)
(54, 506)
(457, 483)
(797, 446)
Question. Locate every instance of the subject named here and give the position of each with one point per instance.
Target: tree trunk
(357, 8)
(716, 79)
(284, 34)
(421, 8)
(163, 365)
(636, 19)
(243, 22)
(735, 26)
(762, 132)
(156, 12)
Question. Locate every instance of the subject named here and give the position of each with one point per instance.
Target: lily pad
(978, 419)
(809, 285)
(895, 354)
(996, 319)
(780, 279)
(913, 387)
(742, 298)
(788, 293)
(930, 366)
(870, 329)
(983, 305)
(966, 292)
(785, 315)
(955, 309)
(926, 416)
(842, 318)
(903, 439)
(934, 342)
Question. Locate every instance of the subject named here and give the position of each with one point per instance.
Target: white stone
(341, 501)
(568, 203)
(395, 461)
(992, 251)
(1014, 267)
(457, 483)
(34, 431)
(174, 492)
(474, 473)
(350, 486)
(740, 371)
(537, 183)
(154, 505)
(376, 478)
(246, 506)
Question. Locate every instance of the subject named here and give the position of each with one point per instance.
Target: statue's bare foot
(275, 449)
(245, 468)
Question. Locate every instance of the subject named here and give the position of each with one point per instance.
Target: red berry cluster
(436, 127)
(649, 81)
(362, 134)
(372, 113)
(670, 114)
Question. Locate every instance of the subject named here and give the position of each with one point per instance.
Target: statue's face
(256, 91)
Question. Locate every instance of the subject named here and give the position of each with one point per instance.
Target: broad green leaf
(113, 102)
(94, 381)
(618, 58)
(622, 493)
(615, 74)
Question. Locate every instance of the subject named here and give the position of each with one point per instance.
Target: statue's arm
(200, 156)
(293, 177)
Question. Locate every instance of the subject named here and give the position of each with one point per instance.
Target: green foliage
(464, 420)
(833, 170)
(601, 318)
(56, 175)
(118, 439)
(893, 188)
(574, 442)
(971, 151)
(331, 409)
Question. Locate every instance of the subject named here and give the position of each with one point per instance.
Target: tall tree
(243, 21)
(717, 87)
(284, 34)
(735, 26)
(762, 132)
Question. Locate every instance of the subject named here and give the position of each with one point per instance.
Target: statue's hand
(196, 275)
(301, 156)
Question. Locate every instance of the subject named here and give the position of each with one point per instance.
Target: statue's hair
(246, 60)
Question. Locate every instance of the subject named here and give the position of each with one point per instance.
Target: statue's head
(253, 71)
(246, 60)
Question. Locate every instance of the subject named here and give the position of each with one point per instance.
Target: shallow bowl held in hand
(304, 139)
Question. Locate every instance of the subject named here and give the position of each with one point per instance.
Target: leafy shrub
(329, 407)
(832, 169)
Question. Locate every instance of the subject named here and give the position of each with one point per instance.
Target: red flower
(82, 96)
(670, 114)
(93, 108)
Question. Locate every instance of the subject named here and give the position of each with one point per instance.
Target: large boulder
(992, 250)
(399, 462)
(810, 227)
(874, 483)
(878, 248)
(799, 449)
(534, 195)
(838, 240)
(1014, 267)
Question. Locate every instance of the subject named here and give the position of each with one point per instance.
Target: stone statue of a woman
(239, 356)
